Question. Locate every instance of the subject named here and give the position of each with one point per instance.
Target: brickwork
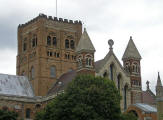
(35, 51)
(133, 68)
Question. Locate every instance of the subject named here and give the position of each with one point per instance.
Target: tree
(86, 98)
(128, 116)
(8, 115)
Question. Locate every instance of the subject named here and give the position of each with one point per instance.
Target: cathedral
(51, 52)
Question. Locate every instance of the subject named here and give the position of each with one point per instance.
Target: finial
(147, 85)
(111, 43)
(130, 37)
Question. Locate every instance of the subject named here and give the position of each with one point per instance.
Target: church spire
(85, 43)
(131, 51)
(159, 80)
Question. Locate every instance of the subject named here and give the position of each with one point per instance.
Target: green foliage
(86, 98)
(8, 115)
(128, 116)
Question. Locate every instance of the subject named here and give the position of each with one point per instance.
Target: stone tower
(159, 98)
(46, 50)
(85, 55)
(131, 62)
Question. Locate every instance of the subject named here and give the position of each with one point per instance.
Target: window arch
(79, 62)
(32, 73)
(34, 41)
(52, 71)
(105, 74)
(119, 81)
(72, 44)
(89, 59)
(48, 40)
(28, 113)
(88, 62)
(67, 43)
(24, 46)
(111, 71)
(125, 97)
(54, 41)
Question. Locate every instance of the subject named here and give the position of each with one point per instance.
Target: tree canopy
(86, 98)
(8, 115)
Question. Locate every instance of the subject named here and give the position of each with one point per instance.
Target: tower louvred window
(67, 43)
(54, 41)
(34, 41)
(48, 40)
(32, 74)
(72, 44)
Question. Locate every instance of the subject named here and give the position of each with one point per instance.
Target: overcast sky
(104, 20)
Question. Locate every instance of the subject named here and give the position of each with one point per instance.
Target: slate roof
(62, 82)
(148, 97)
(15, 85)
(131, 51)
(85, 43)
(146, 108)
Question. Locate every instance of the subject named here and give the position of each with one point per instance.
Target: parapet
(50, 18)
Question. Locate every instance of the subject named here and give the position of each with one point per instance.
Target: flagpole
(56, 8)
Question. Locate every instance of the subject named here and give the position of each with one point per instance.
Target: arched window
(52, 71)
(111, 71)
(105, 74)
(125, 97)
(79, 62)
(66, 43)
(48, 40)
(88, 62)
(54, 41)
(72, 44)
(28, 113)
(34, 41)
(119, 81)
(24, 46)
(32, 75)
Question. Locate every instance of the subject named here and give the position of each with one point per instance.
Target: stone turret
(159, 88)
(131, 62)
(159, 98)
(85, 55)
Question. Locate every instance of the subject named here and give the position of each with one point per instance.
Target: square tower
(46, 50)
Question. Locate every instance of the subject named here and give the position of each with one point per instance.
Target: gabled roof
(15, 85)
(131, 51)
(99, 64)
(85, 43)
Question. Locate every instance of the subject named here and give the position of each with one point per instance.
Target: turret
(85, 55)
(131, 62)
(159, 87)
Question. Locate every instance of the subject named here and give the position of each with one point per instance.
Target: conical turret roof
(131, 51)
(159, 80)
(85, 43)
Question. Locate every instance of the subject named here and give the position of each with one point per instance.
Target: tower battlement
(40, 16)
